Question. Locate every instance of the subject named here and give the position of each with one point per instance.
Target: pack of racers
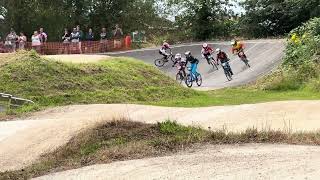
(206, 52)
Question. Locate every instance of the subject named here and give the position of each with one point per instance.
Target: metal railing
(8, 101)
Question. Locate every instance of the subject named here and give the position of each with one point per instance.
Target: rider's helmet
(218, 51)
(165, 44)
(187, 54)
(233, 42)
(205, 45)
(178, 56)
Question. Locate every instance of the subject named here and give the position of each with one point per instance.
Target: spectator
(75, 39)
(80, 38)
(103, 40)
(66, 41)
(117, 34)
(90, 35)
(22, 40)
(36, 41)
(43, 39)
(2, 48)
(90, 39)
(11, 41)
(43, 36)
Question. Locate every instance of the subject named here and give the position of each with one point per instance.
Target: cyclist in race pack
(193, 61)
(182, 63)
(163, 50)
(206, 51)
(237, 47)
(223, 58)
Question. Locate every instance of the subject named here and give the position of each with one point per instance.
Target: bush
(301, 62)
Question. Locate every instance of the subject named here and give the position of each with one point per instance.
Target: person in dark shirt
(193, 61)
(89, 44)
(103, 40)
(223, 58)
(117, 35)
(66, 37)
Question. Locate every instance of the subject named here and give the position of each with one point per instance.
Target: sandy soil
(77, 58)
(251, 161)
(22, 142)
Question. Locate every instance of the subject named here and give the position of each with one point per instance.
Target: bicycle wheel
(199, 80)
(179, 77)
(189, 81)
(159, 62)
(228, 74)
(214, 65)
(246, 62)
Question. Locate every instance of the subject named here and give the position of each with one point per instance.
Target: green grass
(126, 140)
(236, 96)
(117, 80)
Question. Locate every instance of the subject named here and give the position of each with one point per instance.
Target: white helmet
(188, 53)
(178, 56)
(205, 45)
(233, 42)
(218, 50)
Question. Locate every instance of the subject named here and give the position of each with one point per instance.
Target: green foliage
(54, 16)
(301, 66)
(274, 17)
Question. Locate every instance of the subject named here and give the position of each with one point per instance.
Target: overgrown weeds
(125, 140)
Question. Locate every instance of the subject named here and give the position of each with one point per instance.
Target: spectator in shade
(22, 40)
(117, 34)
(43, 39)
(36, 41)
(11, 41)
(43, 36)
(66, 41)
(89, 44)
(103, 40)
(75, 39)
(80, 38)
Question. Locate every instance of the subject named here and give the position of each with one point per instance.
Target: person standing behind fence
(22, 40)
(36, 41)
(43, 39)
(117, 34)
(103, 40)
(75, 39)
(80, 38)
(11, 41)
(90, 41)
(66, 41)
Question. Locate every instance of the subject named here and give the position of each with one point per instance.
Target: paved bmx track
(264, 55)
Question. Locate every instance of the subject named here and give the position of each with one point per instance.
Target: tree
(203, 18)
(276, 17)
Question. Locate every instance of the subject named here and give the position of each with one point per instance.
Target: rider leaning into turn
(163, 50)
(193, 61)
(206, 52)
(237, 47)
(181, 62)
(223, 58)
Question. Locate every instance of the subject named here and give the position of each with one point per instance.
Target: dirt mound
(252, 161)
(53, 128)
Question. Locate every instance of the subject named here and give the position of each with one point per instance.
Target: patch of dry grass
(126, 140)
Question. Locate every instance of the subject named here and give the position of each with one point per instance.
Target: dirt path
(251, 161)
(77, 58)
(22, 142)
